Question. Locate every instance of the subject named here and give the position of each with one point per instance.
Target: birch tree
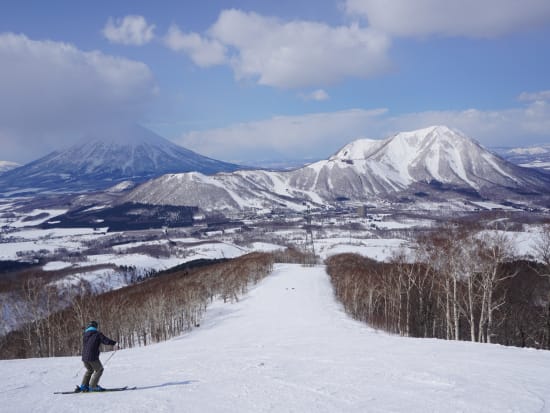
(495, 249)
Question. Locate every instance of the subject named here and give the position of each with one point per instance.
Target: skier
(91, 340)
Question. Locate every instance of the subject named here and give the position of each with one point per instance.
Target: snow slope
(288, 347)
(429, 160)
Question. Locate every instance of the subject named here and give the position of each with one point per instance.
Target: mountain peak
(405, 143)
(107, 157)
(441, 129)
(127, 135)
(358, 149)
(435, 132)
(435, 161)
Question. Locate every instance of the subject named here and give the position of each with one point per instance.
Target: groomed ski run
(288, 347)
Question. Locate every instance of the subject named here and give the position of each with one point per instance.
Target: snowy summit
(289, 347)
(108, 157)
(430, 160)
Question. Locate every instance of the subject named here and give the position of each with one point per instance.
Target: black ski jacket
(90, 344)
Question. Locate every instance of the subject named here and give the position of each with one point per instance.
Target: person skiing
(91, 340)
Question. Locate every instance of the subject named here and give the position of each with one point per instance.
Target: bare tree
(495, 249)
(542, 251)
(36, 302)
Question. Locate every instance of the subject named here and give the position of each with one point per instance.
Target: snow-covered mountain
(435, 156)
(6, 166)
(290, 347)
(434, 161)
(529, 157)
(98, 162)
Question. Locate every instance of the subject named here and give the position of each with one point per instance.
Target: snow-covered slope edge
(306, 355)
(435, 160)
(6, 166)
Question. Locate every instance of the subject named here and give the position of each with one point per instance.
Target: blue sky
(247, 81)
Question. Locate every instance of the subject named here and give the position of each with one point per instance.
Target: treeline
(151, 311)
(459, 285)
(292, 255)
(125, 217)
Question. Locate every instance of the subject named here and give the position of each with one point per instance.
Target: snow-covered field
(23, 241)
(377, 249)
(537, 164)
(289, 347)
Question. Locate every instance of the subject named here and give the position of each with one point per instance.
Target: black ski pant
(94, 370)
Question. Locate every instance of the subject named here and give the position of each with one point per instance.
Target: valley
(372, 198)
(273, 207)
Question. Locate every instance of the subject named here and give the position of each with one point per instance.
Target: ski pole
(79, 370)
(110, 357)
(78, 373)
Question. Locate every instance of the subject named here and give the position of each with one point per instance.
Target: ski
(77, 390)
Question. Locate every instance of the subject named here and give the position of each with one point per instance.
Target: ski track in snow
(288, 347)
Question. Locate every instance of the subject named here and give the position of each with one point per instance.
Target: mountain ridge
(529, 157)
(434, 160)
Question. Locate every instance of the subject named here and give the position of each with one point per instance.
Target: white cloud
(203, 51)
(130, 30)
(320, 135)
(286, 137)
(317, 95)
(294, 54)
(470, 18)
(52, 92)
(543, 95)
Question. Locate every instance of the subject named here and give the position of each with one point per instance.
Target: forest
(461, 285)
(153, 310)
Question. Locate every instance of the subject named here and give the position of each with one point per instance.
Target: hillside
(107, 158)
(304, 356)
(434, 163)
